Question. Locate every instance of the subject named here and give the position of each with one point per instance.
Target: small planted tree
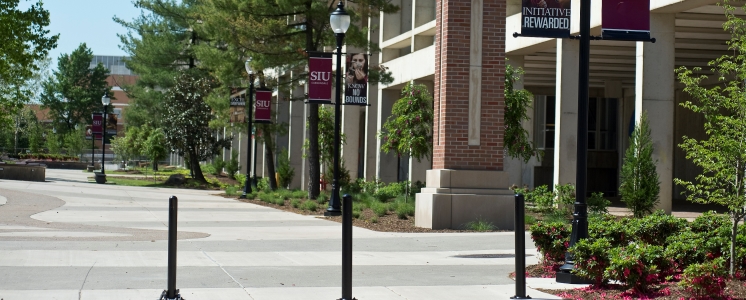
(722, 155)
(517, 102)
(409, 129)
(154, 147)
(640, 184)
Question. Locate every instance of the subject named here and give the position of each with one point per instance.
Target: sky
(86, 21)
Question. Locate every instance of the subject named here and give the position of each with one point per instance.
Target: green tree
(154, 147)
(278, 35)
(74, 91)
(285, 171)
(54, 142)
(188, 117)
(409, 129)
(25, 42)
(640, 185)
(517, 142)
(75, 141)
(722, 155)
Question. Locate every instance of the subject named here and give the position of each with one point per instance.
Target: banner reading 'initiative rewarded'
(545, 18)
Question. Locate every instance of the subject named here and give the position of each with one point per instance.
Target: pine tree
(640, 184)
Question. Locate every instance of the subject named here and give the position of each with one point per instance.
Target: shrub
(284, 170)
(323, 198)
(241, 179)
(217, 166)
(355, 187)
(591, 259)
(280, 201)
(609, 228)
(598, 204)
(374, 219)
(552, 240)
(638, 265)
(565, 195)
(266, 197)
(262, 184)
(686, 248)
(298, 194)
(295, 203)
(404, 210)
(231, 167)
(640, 185)
(310, 205)
(356, 214)
(480, 226)
(656, 228)
(380, 209)
(709, 221)
(231, 190)
(541, 196)
(390, 191)
(705, 279)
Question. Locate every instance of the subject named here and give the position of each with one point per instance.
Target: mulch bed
(388, 223)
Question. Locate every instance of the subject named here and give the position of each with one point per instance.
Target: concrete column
(566, 114)
(371, 112)
(521, 173)
(296, 129)
(305, 173)
(654, 93)
(283, 116)
(386, 164)
(351, 129)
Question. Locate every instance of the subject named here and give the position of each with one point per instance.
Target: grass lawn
(133, 181)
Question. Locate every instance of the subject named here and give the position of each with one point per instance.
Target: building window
(602, 123)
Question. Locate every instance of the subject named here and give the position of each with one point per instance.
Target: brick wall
(451, 95)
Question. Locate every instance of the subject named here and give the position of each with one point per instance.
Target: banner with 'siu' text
(545, 18)
(263, 106)
(320, 78)
(356, 79)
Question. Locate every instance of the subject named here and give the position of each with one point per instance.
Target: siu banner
(263, 106)
(320, 78)
(625, 20)
(356, 79)
(545, 18)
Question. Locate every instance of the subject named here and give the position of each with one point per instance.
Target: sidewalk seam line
(226, 273)
(80, 291)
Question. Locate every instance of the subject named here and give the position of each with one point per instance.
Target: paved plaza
(69, 239)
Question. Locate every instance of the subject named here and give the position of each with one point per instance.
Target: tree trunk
(733, 232)
(194, 166)
(269, 157)
(313, 151)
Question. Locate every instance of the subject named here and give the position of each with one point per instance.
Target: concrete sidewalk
(69, 239)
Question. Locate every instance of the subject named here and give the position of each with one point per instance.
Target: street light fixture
(249, 104)
(340, 21)
(105, 100)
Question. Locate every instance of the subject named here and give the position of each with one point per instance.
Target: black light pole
(253, 181)
(340, 21)
(105, 100)
(249, 104)
(580, 214)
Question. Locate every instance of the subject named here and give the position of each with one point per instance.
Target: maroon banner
(625, 19)
(98, 123)
(263, 106)
(320, 78)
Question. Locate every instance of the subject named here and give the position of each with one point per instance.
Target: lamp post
(253, 181)
(249, 104)
(105, 100)
(340, 21)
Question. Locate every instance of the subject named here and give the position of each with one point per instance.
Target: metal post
(520, 249)
(334, 203)
(172, 292)
(103, 143)
(347, 248)
(93, 145)
(580, 219)
(253, 181)
(250, 104)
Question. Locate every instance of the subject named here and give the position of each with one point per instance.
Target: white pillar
(566, 113)
(654, 93)
(351, 129)
(386, 164)
(296, 129)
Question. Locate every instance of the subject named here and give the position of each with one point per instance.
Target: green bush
(380, 209)
(687, 248)
(262, 184)
(541, 196)
(266, 197)
(310, 205)
(390, 191)
(640, 185)
(552, 240)
(217, 166)
(241, 179)
(404, 210)
(654, 229)
(298, 194)
(598, 204)
(354, 187)
(231, 167)
(480, 226)
(638, 265)
(705, 279)
(231, 190)
(295, 203)
(609, 228)
(710, 221)
(280, 201)
(591, 259)
(284, 170)
(356, 214)
(564, 195)
(374, 219)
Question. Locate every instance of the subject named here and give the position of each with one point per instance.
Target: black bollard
(520, 249)
(346, 247)
(171, 293)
